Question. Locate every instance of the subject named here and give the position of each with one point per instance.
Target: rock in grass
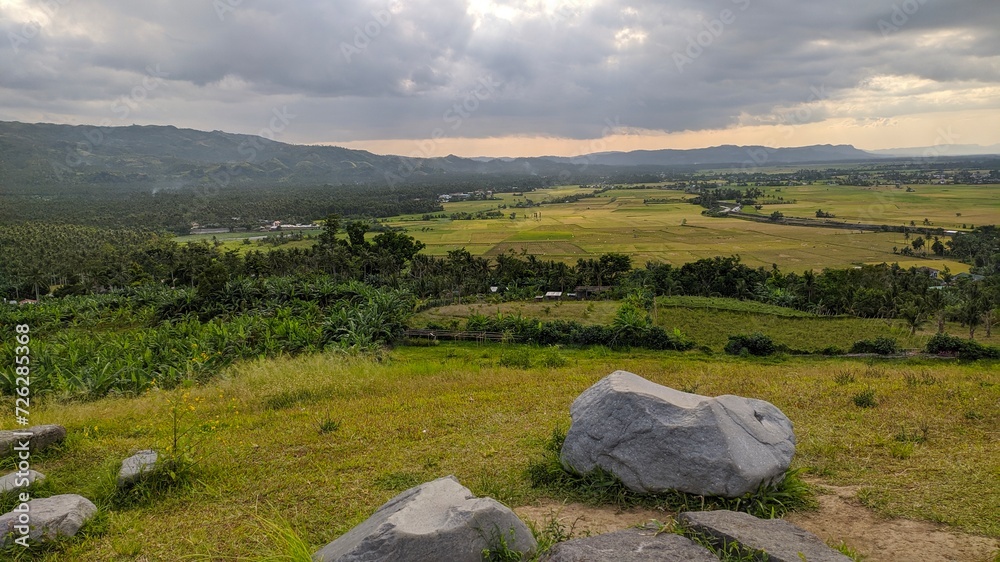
(136, 467)
(630, 545)
(437, 520)
(654, 438)
(16, 480)
(57, 516)
(779, 539)
(42, 436)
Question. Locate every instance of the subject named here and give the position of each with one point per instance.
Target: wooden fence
(455, 335)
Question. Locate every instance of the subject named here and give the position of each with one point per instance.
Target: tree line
(84, 260)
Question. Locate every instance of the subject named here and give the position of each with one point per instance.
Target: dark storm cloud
(405, 69)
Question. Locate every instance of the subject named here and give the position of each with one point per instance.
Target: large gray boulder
(57, 516)
(16, 480)
(136, 467)
(630, 545)
(437, 520)
(655, 438)
(779, 539)
(42, 436)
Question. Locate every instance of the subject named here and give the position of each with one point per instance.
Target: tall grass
(427, 412)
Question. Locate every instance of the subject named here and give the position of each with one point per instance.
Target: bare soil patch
(840, 518)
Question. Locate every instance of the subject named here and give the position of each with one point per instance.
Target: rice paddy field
(676, 232)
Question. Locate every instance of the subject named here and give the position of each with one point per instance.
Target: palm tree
(970, 312)
(937, 305)
(914, 313)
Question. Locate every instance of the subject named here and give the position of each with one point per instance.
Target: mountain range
(166, 156)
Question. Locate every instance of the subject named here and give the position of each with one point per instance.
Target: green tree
(328, 238)
(972, 307)
(937, 247)
(914, 314)
(356, 234)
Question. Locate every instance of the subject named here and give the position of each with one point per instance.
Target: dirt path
(840, 518)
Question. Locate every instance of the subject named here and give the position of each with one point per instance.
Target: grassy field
(709, 321)
(619, 221)
(676, 232)
(319, 442)
(945, 206)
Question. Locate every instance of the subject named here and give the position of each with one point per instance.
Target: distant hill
(166, 156)
(941, 150)
(730, 155)
(158, 154)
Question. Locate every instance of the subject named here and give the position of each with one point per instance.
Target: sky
(514, 77)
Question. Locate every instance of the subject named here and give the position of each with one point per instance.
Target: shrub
(865, 399)
(965, 349)
(552, 358)
(518, 357)
(880, 346)
(569, 332)
(754, 344)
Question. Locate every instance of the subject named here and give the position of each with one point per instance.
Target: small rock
(16, 480)
(58, 516)
(630, 545)
(437, 520)
(136, 466)
(42, 437)
(782, 541)
(655, 438)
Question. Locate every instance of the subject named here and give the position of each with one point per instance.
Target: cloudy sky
(514, 77)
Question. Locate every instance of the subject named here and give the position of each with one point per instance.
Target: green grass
(426, 412)
(541, 235)
(709, 321)
(734, 305)
(619, 221)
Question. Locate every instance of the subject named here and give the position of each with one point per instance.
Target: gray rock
(42, 437)
(437, 520)
(58, 516)
(782, 541)
(630, 545)
(134, 467)
(16, 480)
(655, 438)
